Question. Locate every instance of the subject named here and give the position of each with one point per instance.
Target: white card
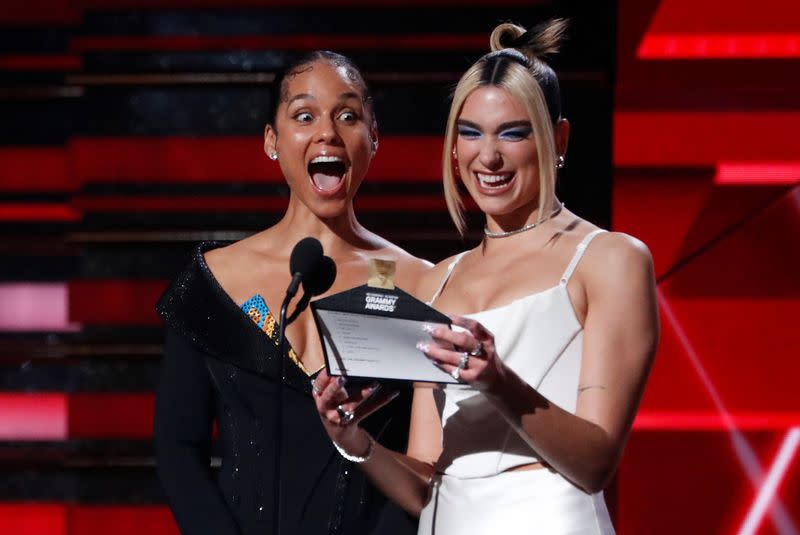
(379, 347)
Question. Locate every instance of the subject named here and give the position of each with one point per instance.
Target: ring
(345, 417)
(478, 351)
(456, 374)
(317, 390)
(462, 364)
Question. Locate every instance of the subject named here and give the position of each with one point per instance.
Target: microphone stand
(278, 402)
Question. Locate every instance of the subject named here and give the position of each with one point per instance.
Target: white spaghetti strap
(579, 250)
(446, 278)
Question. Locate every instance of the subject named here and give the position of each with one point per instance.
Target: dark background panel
(204, 73)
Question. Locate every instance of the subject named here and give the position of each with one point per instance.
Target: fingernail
(422, 346)
(428, 328)
(341, 380)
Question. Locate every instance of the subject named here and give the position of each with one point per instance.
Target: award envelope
(370, 332)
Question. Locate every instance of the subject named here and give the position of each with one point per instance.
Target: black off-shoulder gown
(218, 365)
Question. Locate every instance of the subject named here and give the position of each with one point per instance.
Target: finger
(320, 382)
(475, 327)
(441, 355)
(462, 340)
(333, 394)
(357, 398)
(465, 376)
(378, 398)
(332, 416)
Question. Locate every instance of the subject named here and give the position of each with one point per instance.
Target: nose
(490, 156)
(327, 131)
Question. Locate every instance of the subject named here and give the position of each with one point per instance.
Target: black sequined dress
(220, 366)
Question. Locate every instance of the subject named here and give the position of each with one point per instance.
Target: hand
(334, 402)
(472, 350)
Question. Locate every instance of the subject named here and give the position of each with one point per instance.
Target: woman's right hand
(334, 403)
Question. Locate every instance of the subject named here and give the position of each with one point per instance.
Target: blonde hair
(515, 65)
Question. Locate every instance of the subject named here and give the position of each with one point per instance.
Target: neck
(509, 227)
(337, 234)
(525, 215)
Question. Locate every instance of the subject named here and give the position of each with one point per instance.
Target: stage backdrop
(131, 130)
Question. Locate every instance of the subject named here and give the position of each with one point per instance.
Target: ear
(561, 133)
(373, 136)
(270, 140)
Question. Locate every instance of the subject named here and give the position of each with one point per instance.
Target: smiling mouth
(494, 181)
(327, 172)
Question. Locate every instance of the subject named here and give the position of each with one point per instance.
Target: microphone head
(306, 255)
(321, 278)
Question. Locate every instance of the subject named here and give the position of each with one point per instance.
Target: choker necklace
(504, 234)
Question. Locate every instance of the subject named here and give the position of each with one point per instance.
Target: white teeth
(492, 180)
(326, 159)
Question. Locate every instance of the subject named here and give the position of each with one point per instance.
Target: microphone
(316, 283)
(322, 277)
(305, 258)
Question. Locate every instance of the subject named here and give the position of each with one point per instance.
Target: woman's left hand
(471, 351)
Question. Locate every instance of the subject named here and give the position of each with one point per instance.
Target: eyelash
(299, 116)
(509, 135)
(468, 133)
(515, 135)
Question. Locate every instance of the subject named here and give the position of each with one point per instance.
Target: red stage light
(767, 491)
(758, 173)
(33, 416)
(681, 46)
(34, 518)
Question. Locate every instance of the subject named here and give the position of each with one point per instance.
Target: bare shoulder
(617, 258)
(220, 259)
(232, 261)
(410, 263)
(409, 267)
(430, 281)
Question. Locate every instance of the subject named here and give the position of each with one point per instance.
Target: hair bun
(539, 41)
(505, 35)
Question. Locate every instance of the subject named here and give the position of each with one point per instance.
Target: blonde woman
(556, 321)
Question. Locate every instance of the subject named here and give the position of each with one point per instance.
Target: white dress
(540, 338)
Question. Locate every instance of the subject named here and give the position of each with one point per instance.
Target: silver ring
(345, 417)
(456, 374)
(317, 390)
(462, 364)
(478, 351)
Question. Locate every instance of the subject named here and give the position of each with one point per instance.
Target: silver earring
(560, 162)
(374, 147)
(273, 155)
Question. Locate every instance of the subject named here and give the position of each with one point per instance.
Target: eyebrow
(500, 128)
(299, 96)
(349, 95)
(340, 98)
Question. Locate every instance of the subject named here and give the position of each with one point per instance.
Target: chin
(495, 207)
(329, 208)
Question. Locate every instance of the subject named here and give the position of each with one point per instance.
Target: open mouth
(327, 172)
(495, 181)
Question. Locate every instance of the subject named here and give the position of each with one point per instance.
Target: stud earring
(560, 162)
(273, 155)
